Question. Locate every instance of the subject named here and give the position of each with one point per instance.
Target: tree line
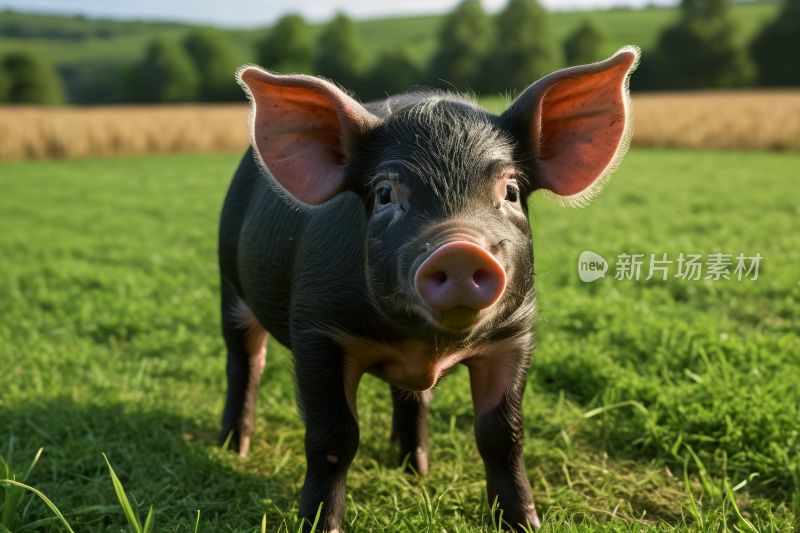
(476, 52)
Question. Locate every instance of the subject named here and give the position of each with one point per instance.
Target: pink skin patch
(460, 274)
(416, 365)
(256, 345)
(255, 342)
(298, 126)
(582, 125)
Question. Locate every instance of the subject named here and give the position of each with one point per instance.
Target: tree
(584, 45)
(700, 50)
(166, 74)
(289, 47)
(465, 41)
(5, 83)
(341, 55)
(525, 50)
(31, 79)
(394, 71)
(212, 54)
(775, 48)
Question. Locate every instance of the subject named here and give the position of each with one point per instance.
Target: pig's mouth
(457, 320)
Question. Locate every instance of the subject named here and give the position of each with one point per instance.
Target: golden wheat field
(736, 120)
(104, 131)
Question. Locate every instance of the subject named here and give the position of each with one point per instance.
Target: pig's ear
(577, 123)
(302, 129)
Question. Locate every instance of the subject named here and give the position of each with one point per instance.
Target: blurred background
(82, 57)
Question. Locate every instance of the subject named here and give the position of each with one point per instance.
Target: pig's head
(445, 183)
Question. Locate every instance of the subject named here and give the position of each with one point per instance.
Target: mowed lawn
(110, 343)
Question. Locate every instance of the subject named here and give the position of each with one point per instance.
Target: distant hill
(90, 52)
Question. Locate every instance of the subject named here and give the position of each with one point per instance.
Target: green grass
(67, 40)
(110, 343)
(125, 41)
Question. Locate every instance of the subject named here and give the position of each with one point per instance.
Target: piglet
(393, 238)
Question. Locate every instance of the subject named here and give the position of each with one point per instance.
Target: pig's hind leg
(247, 352)
(410, 427)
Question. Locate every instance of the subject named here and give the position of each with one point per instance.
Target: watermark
(691, 267)
(591, 266)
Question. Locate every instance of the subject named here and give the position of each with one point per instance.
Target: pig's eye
(385, 195)
(512, 193)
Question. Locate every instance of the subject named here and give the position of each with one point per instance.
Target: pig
(393, 238)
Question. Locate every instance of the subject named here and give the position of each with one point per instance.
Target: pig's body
(393, 239)
(267, 247)
(255, 250)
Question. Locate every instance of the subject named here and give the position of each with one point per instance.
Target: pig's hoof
(244, 446)
(422, 462)
(533, 521)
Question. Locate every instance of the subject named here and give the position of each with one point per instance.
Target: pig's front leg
(410, 427)
(497, 379)
(331, 430)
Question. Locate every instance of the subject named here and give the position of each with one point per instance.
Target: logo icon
(591, 266)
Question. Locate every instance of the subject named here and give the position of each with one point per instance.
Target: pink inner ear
(583, 120)
(298, 138)
(298, 131)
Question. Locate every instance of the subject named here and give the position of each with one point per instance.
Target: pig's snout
(460, 274)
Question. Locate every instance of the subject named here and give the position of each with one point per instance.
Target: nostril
(439, 277)
(480, 276)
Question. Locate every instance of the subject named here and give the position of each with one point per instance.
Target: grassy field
(110, 343)
(67, 40)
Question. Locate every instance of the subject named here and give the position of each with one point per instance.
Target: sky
(251, 13)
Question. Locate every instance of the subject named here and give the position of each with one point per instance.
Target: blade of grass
(526, 529)
(697, 517)
(316, 518)
(227, 442)
(708, 485)
(150, 521)
(33, 463)
(197, 525)
(133, 520)
(355, 508)
(264, 524)
(39, 523)
(45, 500)
(736, 508)
(407, 522)
(495, 506)
(14, 495)
(427, 509)
(595, 412)
(739, 486)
